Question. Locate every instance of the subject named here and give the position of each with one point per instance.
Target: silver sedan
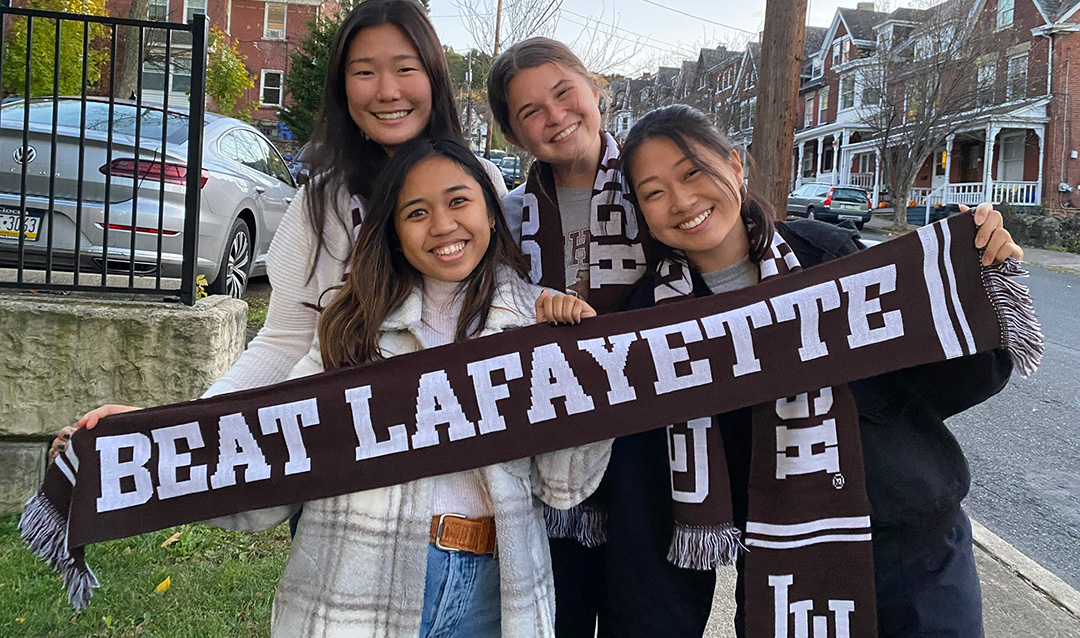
(246, 187)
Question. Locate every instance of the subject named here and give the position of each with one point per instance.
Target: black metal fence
(130, 225)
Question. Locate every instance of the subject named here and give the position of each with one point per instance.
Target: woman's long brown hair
(380, 278)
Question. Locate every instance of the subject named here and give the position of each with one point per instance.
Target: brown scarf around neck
(914, 300)
(615, 255)
(808, 509)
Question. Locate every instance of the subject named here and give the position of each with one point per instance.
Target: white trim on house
(275, 34)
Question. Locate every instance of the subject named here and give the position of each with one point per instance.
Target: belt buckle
(441, 527)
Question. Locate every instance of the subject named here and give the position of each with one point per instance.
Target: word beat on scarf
(507, 396)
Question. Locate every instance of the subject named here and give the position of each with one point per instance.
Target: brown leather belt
(456, 533)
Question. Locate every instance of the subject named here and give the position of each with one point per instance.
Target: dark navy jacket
(916, 474)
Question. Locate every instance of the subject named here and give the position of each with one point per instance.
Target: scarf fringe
(584, 523)
(1021, 333)
(44, 529)
(704, 547)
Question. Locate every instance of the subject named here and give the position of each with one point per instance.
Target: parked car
(246, 187)
(300, 164)
(830, 203)
(511, 171)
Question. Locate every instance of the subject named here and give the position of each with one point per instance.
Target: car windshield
(69, 113)
(849, 195)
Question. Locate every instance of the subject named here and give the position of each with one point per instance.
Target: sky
(657, 35)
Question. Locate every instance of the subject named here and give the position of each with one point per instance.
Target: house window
(1011, 168)
(823, 105)
(987, 78)
(750, 111)
(270, 91)
(191, 7)
(870, 96)
(176, 75)
(836, 53)
(158, 11)
(808, 114)
(1005, 13)
(1017, 87)
(275, 21)
(847, 92)
(807, 164)
(819, 67)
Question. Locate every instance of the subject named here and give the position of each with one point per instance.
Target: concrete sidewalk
(1020, 597)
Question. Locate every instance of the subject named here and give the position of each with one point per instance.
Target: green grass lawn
(221, 584)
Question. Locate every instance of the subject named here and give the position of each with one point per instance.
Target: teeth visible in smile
(391, 116)
(695, 222)
(565, 134)
(449, 249)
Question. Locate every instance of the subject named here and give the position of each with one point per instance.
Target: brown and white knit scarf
(808, 510)
(615, 255)
(910, 301)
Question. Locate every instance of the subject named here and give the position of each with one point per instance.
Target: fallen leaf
(20, 619)
(164, 585)
(172, 539)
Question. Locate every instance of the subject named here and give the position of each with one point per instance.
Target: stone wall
(62, 357)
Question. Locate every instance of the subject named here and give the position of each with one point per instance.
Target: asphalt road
(1023, 445)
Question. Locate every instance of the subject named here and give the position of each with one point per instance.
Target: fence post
(199, 45)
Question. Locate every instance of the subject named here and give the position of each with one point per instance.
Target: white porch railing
(967, 193)
(1021, 193)
(865, 180)
(918, 196)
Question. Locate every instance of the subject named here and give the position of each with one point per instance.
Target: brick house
(265, 31)
(1015, 145)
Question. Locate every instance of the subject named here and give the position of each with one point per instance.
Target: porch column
(844, 158)
(877, 176)
(798, 167)
(820, 156)
(948, 165)
(988, 157)
(1041, 132)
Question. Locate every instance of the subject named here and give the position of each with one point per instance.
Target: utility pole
(781, 65)
(468, 102)
(495, 54)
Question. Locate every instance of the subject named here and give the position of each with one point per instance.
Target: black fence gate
(91, 199)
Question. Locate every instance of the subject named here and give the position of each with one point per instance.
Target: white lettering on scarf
(436, 404)
(615, 264)
(237, 447)
(738, 322)
(487, 393)
(369, 447)
(666, 357)
(287, 414)
(169, 460)
(803, 440)
(113, 471)
(860, 308)
(808, 300)
(679, 457)
(530, 225)
(799, 611)
(552, 377)
(611, 353)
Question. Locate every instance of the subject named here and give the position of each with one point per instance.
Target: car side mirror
(302, 177)
(287, 157)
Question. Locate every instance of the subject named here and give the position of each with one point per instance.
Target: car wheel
(232, 275)
(810, 212)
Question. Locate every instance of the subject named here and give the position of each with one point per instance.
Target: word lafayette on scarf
(917, 299)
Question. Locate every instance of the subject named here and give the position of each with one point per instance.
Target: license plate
(9, 224)
(854, 218)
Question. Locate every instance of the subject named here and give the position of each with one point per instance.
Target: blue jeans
(461, 596)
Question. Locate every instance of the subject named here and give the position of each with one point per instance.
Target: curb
(1058, 591)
